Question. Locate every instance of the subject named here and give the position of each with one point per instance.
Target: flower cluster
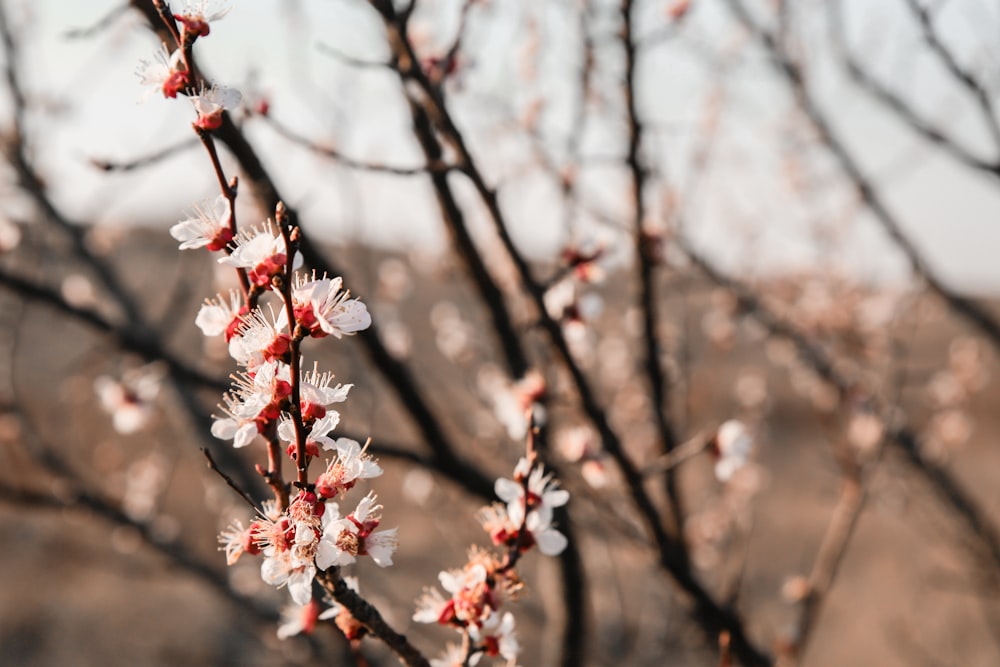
(292, 411)
(274, 401)
(170, 73)
(476, 592)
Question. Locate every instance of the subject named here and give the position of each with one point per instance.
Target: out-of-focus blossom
(581, 444)
(495, 637)
(511, 403)
(10, 235)
(298, 619)
(453, 656)
(342, 617)
(732, 446)
(130, 400)
(582, 259)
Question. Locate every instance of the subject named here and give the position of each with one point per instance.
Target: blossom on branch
(255, 401)
(316, 438)
(323, 307)
(317, 395)
(211, 102)
(259, 340)
(289, 545)
(216, 317)
(166, 71)
(352, 536)
(543, 492)
(495, 637)
(342, 473)
(207, 228)
(477, 590)
(196, 16)
(236, 540)
(262, 252)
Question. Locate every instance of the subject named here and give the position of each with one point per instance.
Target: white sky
(744, 214)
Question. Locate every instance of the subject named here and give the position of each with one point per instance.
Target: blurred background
(675, 213)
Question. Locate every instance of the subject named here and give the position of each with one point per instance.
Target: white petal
(381, 546)
(551, 542)
(507, 490)
(300, 584)
(556, 498)
(245, 435)
(224, 429)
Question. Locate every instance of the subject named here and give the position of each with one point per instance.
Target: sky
(745, 213)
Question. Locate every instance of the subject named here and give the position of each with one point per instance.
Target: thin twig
(333, 154)
(894, 102)
(214, 467)
(365, 612)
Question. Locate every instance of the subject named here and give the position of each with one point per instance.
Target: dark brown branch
(646, 263)
(147, 347)
(80, 500)
(514, 354)
(366, 613)
(711, 617)
(944, 54)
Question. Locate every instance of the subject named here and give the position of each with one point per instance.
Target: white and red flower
(208, 227)
(323, 307)
(216, 317)
(167, 71)
(342, 473)
(261, 252)
(495, 637)
(211, 102)
(344, 539)
(256, 400)
(196, 17)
